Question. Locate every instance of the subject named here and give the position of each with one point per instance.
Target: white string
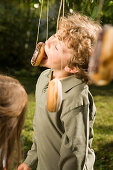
(39, 22)
(59, 14)
(47, 19)
(63, 7)
(63, 16)
(62, 2)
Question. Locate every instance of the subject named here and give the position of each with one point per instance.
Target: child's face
(57, 52)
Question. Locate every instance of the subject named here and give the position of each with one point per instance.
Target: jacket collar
(67, 83)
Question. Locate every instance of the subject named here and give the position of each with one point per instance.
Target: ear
(71, 69)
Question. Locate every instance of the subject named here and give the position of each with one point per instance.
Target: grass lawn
(103, 127)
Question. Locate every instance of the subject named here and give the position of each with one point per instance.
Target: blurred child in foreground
(13, 102)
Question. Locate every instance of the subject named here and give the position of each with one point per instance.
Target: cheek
(55, 60)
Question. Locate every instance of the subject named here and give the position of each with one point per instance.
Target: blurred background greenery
(18, 32)
(19, 22)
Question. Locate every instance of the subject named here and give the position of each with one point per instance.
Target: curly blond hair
(81, 34)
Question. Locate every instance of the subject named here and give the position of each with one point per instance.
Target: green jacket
(62, 140)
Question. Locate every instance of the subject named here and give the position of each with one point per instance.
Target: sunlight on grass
(103, 127)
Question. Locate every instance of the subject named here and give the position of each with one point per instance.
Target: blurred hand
(23, 166)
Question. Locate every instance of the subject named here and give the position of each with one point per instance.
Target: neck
(60, 74)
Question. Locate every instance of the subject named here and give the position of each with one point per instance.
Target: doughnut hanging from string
(40, 47)
(101, 62)
(39, 51)
(54, 98)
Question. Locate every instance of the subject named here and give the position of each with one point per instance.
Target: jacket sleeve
(75, 139)
(32, 155)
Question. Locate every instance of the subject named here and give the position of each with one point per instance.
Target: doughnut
(38, 54)
(101, 62)
(54, 97)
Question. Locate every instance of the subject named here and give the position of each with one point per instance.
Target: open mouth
(45, 57)
(38, 56)
(35, 57)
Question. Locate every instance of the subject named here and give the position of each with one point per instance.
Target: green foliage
(14, 37)
(103, 128)
(91, 8)
(19, 21)
(18, 33)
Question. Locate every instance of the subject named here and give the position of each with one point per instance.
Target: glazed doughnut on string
(39, 51)
(40, 47)
(54, 98)
(101, 61)
(53, 92)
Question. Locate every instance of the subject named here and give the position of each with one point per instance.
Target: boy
(62, 140)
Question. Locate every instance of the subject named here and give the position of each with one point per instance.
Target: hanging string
(47, 18)
(39, 22)
(100, 9)
(62, 40)
(63, 7)
(62, 2)
(59, 14)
